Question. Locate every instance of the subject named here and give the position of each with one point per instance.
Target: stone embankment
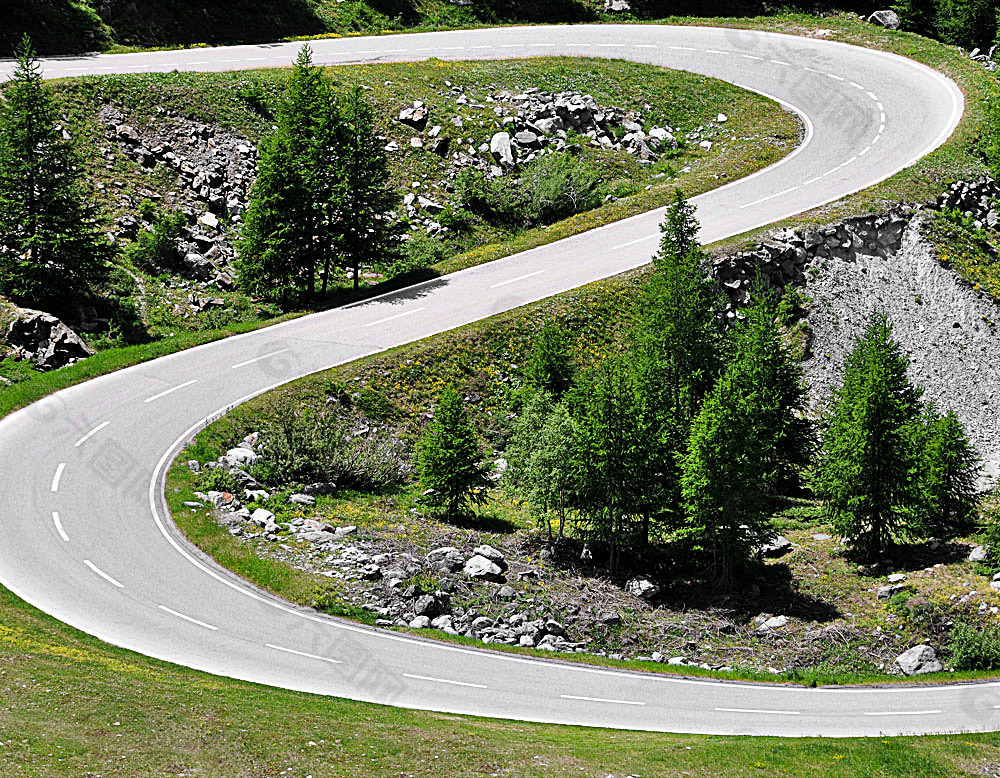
(883, 263)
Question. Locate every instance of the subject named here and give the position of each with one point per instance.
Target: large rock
(889, 591)
(44, 340)
(198, 266)
(779, 546)
(480, 568)
(239, 456)
(493, 555)
(978, 554)
(888, 19)
(918, 660)
(502, 149)
(642, 588)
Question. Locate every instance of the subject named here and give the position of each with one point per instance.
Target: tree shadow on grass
(915, 556)
(481, 522)
(760, 588)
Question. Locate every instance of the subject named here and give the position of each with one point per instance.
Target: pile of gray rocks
(214, 170)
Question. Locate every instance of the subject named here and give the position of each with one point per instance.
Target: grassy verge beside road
(76, 706)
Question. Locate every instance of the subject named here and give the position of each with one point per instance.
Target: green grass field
(74, 706)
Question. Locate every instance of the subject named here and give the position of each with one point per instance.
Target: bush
(16, 371)
(553, 187)
(990, 529)
(156, 249)
(560, 185)
(974, 649)
(498, 200)
(419, 251)
(301, 445)
(218, 479)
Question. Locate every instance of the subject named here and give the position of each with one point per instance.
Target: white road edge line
(170, 390)
(391, 318)
(761, 710)
(172, 612)
(445, 680)
(519, 278)
(103, 575)
(59, 526)
(600, 699)
(90, 434)
(58, 476)
(303, 653)
(902, 712)
(262, 356)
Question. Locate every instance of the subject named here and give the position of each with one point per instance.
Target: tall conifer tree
(51, 249)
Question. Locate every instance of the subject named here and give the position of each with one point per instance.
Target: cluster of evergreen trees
(51, 247)
(322, 197)
(686, 437)
(965, 23)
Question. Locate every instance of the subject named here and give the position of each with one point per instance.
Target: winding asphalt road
(85, 535)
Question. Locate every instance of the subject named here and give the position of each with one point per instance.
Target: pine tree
(367, 233)
(948, 472)
(613, 454)
(535, 410)
(449, 460)
(744, 436)
(551, 474)
(679, 232)
(549, 367)
(290, 230)
(866, 470)
(50, 247)
(675, 350)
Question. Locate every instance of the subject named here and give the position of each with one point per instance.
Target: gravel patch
(947, 329)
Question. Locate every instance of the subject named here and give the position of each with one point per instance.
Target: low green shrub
(218, 479)
(419, 251)
(552, 188)
(301, 445)
(974, 649)
(156, 249)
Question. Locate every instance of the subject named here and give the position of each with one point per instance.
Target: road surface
(85, 535)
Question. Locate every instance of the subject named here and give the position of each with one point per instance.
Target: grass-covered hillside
(167, 143)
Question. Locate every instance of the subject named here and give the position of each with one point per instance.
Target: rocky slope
(949, 331)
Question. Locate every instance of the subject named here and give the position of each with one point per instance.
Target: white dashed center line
(633, 242)
(762, 711)
(262, 356)
(770, 197)
(601, 699)
(170, 390)
(90, 434)
(172, 612)
(902, 713)
(519, 278)
(58, 474)
(392, 318)
(59, 526)
(303, 653)
(103, 575)
(444, 680)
